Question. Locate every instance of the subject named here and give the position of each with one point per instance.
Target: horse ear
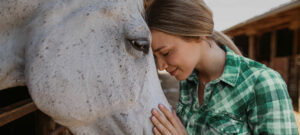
(147, 3)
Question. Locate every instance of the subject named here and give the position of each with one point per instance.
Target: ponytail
(223, 39)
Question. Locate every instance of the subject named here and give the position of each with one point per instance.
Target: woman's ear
(206, 39)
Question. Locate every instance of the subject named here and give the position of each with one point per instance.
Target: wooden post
(251, 45)
(295, 51)
(273, 47)
(297, 43)
(295, 26)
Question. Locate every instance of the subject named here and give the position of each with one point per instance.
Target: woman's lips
(174, 72)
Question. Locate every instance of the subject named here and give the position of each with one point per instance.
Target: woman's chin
(180, 78)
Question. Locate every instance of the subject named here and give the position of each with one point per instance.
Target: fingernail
(161, 106)
(155, 129)
(153, 118)
(154, 111)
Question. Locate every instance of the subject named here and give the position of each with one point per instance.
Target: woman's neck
(212, 62)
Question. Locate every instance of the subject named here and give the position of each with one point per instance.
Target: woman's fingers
(169, 115)
(163, 130)
(181, 128)
(163, 121)
(155, 131)
(177, 119)
(168, 123)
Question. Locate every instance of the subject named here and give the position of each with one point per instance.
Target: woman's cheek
(172, 61)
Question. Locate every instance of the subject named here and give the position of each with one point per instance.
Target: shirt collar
(231, 69)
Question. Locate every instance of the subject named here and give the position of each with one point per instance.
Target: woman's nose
(162, 65)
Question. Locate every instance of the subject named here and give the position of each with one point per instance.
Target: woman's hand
(169, 124)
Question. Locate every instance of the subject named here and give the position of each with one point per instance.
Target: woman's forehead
(160, 41)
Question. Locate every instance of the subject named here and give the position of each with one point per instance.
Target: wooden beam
(260, 26)
(15, 111)
(268, 24)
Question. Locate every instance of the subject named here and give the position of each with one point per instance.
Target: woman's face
(177, 56)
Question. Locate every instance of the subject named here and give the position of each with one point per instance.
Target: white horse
(86, 63)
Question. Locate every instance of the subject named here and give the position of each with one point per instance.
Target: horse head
(89, 66)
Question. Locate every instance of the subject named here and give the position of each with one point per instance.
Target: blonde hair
(185, 18)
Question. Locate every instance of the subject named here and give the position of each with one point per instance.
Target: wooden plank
(15, 111)
(251, 47)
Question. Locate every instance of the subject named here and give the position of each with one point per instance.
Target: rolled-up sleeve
(270, 110)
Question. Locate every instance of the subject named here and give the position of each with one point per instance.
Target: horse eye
(140, 44)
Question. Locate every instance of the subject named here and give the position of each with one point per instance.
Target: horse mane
(147, 3)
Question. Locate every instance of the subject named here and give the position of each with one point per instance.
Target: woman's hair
(185, 18)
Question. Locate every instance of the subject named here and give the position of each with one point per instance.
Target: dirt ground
(171, 89)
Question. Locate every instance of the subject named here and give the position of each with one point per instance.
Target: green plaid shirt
(248, 98)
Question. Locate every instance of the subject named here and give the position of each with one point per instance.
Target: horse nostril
(140, 44)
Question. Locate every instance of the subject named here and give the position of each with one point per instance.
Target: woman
(221, 92)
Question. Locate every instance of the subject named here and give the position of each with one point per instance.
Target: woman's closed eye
(165, 54)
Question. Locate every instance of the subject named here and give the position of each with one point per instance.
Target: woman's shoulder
(265, 79)
(258, 72)
(270, 79)
(267, 84)
(249, 69)
(247, 64)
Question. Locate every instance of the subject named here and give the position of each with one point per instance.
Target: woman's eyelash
(166, 54)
